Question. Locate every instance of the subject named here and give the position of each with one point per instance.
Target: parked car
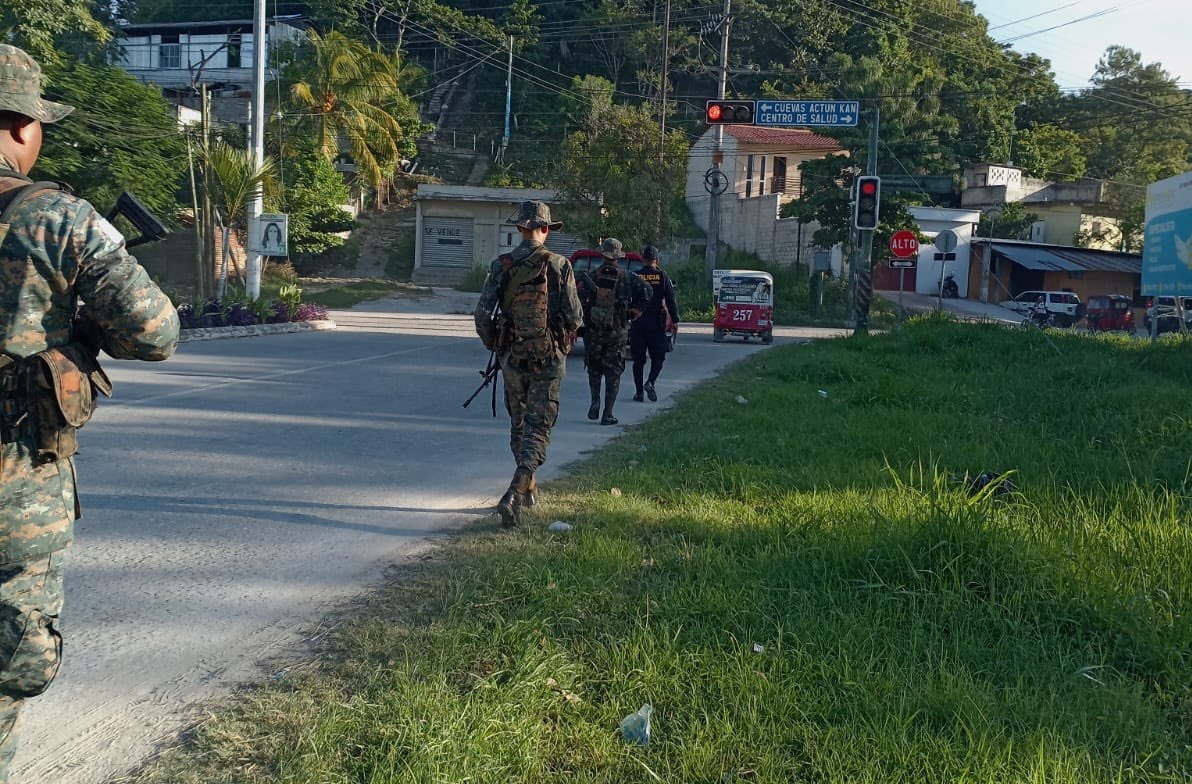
(1109, 312)
(1169, 318)
(1064, 306)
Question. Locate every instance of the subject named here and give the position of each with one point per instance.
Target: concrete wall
(753, 225)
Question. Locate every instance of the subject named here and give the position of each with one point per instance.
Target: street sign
(836, 114)
(904, 244)
(946, 241)
(903, 263)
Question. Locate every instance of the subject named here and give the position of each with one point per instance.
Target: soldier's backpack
(526, 304)
(607, 312)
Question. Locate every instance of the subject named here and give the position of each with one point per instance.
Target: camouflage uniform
(57, 250)
(531, 388)
(605, 345)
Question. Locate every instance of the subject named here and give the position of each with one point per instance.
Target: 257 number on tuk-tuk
(742, 315)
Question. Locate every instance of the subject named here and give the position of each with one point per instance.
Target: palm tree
(234, 178)
(346, 93)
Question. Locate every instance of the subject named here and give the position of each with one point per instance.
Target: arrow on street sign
(835, 114)
(903, 263)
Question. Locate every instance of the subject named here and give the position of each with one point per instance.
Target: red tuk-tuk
(744, 304)
(1109, 312)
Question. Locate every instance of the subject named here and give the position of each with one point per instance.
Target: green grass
(351, 294)
(911, 631)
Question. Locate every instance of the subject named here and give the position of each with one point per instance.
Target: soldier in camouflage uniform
(55, 250)
(611, 297)
(528, 313)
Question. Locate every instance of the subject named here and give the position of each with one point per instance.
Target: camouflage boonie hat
(612, 248)
(535, 215)
(20, 87)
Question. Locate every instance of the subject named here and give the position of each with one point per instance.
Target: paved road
(236, 495)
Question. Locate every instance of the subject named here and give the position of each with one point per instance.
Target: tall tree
(122, 136)
(613, 168)
(344, 91)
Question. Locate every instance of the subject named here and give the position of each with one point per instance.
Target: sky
(1160, 29)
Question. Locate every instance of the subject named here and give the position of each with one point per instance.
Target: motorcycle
(949, 288)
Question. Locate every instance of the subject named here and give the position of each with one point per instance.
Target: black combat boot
(611, 388)
(509, 507)
(594, 388)
(650, 393)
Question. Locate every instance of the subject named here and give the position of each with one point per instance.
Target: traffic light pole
(712, 252)
(863, 294)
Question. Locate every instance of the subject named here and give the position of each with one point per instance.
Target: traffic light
(869, 198)
(730, 112)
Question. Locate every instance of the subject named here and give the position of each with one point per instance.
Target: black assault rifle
(490, 377)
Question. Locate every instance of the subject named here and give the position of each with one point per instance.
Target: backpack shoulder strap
(13, 198)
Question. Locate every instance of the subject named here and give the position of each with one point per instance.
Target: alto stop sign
(904, 244)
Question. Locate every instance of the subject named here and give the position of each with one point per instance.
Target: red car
(1109, 312)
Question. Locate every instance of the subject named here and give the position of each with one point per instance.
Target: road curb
(254, 330)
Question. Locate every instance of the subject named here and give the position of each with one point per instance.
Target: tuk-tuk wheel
(768, 338)
(717, 335)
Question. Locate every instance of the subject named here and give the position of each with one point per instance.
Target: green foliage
(615, 164)
(313, 195)
(43, 27)
(1011, 222)
(400, 263)
(474, 280)
(1050, 152)
(342, 90)
(290, 295)
(827, 184)
(235, 177)
(122, 136)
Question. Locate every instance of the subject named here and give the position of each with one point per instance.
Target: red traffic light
(868, 204)
(729, 111)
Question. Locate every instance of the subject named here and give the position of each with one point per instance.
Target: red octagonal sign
(904, 244)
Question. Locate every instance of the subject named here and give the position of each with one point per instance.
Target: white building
(461, 226)
(933, 264)
(762, 166)
(178, 57)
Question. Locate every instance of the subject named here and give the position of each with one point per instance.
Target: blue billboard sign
(1167, 242)
(836, 114)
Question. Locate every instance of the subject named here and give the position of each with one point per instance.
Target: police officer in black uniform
(647, 334)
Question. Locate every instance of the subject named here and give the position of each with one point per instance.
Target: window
(761, 180)
(979, 180)
(169, 52)
(234, 50)
(748, 176)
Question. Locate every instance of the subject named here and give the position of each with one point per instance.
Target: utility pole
(257, 206)
(712, 253)
(662, 88)
(864, 278)
(207, 243)
(508, 100)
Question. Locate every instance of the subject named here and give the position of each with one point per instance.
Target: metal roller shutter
(564, 244)
(447, 242)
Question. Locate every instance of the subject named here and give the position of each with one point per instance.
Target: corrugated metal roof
(795, 138)
(1036, 256)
